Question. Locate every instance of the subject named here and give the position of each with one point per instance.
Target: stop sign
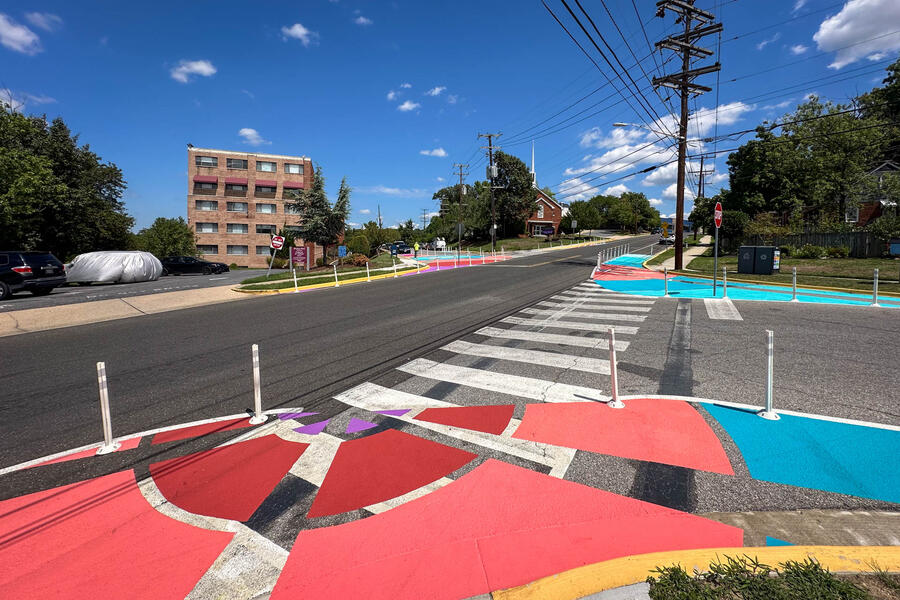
(717, 215)
(277, 241)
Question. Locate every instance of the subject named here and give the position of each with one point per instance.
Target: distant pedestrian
(416, 249)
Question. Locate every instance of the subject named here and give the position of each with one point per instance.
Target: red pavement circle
(671, 432)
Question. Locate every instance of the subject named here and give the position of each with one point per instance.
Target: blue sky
(392, 94)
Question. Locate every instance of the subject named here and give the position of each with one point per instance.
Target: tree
(516, 199)
(587, 216)
(54, 194)
(320, 221)
(167, 237)
(406, 230)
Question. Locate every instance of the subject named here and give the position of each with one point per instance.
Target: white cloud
(440, 179)
(408, 106)
(361, 20)
(436, 90)
(18, 100)
(799, 49)
(616, 190)
(432, 214)
(868, 27)
(575, 189)
(778, 106)
(622, 158)
(452, 99)
(765, 43)
(392, 95)
(406, 86)
(252, 137)
(617, 136)
(45, 21)
(703, 121)
(655, 202)
(672, 191)
(439, 152)
(249, 94)
(299, 32)
(187, 68)
(667, 174)
(365, 211)
(354, 225)
(717, 178)
(798, 5)
(391, 191)
(18, 37)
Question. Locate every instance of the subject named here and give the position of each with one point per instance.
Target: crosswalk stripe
(583, 315)
(607, 296)
(562, 305)
(722, 308)
(514, 385)
(604, 300)
(576, 325)
(534, 357)
(373, 397)
(550, 338)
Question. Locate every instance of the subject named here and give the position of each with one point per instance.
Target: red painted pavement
(379, 467)
(99, 539)
(663, 431)
(619, 273)
(229, 482)
(126, 445)
(496, 527)
(198, 430)
(489, 419)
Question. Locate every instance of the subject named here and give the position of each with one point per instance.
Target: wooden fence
(862, 244)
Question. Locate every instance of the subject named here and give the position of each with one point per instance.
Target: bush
(278, 263)
(358, 244)
(810, 251)
(359, 260)
(788, 250)
(233, 266)
(837, 252)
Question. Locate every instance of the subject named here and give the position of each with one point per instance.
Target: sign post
(717, 219)
(276, 244)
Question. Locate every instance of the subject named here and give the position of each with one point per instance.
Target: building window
(266, 209)
(293, 168)
(206, 161)
(237, 207)
(206, 205)
(291, 209)
(540, 211)
(207, 228)
(233, 189)
(264, 250)
(236, 163)
(268, 167)
(240, 250)
(207, 249)
(236, 228)
(290, 194)
(852, 214)
(205, 189)
(264, 191)
(292, 230)
(269, 229)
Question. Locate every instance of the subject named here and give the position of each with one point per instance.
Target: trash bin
(746, 259)
(764, 260)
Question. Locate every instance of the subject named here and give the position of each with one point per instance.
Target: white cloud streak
(408, 106)
(361, 20)
(862, 29)
(436, 90)
(798, 49)
(18, 38)
(384, 190)
(45, 21)
(252, 137)
(766, 42)
(298, 32)
(439, 152)
(188, 68)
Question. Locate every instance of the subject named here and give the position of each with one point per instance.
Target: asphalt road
(185, 365)
(72, 294)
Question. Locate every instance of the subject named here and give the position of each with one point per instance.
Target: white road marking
(583, 315)
(314, 462)
(577, 304)
(535, 357)
(381, 507)
(589, 299)
(551, 338)
(605, 296)
(216, 278)
(722, 308)
(514, 385)
(577, 326)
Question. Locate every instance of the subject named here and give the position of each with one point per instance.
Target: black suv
(176, 265)
(37, 272)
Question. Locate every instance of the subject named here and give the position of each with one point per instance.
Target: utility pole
(701, 188)
(682, 82)
(459, 205)
(424, 214)
(491, 173)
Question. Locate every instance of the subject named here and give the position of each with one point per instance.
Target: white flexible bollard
(368, 275)
(724, 282)
(258, 416)
(769, 412)
(613, 375)
(666, 282)
(875, 289)
(295, 280)
(108, 444)
(794, 285)
(336, 284)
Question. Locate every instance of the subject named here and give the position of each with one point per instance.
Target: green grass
(323, 278)
(849, 273)
(380, 261)
(520, 244)
(662, 257)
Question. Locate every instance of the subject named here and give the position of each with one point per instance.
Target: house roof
(886, 167)
(543, 196)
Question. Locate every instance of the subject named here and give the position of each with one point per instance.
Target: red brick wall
(552, 213)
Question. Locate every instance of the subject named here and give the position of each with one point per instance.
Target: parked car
(402, 247)
(178, 265)
(37, 272)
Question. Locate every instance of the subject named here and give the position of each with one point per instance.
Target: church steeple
(533, 174)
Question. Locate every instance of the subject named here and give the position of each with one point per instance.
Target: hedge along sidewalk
(323, 281)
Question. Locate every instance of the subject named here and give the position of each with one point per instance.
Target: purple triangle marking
(314, 428)
(357, 425)
(399, 412)
(295, 415)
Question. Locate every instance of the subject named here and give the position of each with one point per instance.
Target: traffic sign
(717, 215)
(298, 256)
(277, 242)
(342, 251)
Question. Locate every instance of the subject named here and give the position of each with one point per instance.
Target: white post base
(615, 404)
(257, 419)
(769, 415)
(109, 449)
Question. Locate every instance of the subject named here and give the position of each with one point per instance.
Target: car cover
(114, 267)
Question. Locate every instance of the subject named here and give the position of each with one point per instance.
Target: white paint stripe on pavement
(578, 294)
(722, 308)
(535, 357)
(372, 397)
(551, 338)
(381, 507)
(582, 315)
(604, 300)
(577, 326)
(513, 385)
(577, 304)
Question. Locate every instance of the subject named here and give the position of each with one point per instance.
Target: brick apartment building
(237, 201)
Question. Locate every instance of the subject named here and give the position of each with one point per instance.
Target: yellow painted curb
(314, 286)
(788, 285)
(628, 570)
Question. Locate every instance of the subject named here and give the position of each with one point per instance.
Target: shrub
(788, 250)
(233, 266)
(278, 263)
(810, 251)
(358, 244)
(837, 252)
(359, 260)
